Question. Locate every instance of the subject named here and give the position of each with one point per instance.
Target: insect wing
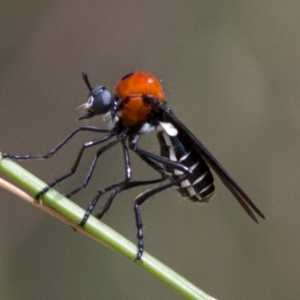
(229, 182)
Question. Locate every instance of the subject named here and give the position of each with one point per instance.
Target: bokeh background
(231, 72)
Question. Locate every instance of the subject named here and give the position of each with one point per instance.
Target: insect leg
(91, 169)
(137, 211)
(57, 147)
(77, 161)
(121, 186)
(144, 196)
(114, 190)
(150, 156)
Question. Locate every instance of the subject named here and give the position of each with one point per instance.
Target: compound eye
(99, 100)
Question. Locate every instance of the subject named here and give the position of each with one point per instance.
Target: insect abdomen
(199, 186)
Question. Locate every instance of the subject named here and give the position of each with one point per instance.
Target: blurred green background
(231, 73)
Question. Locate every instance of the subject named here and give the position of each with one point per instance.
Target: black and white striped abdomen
(198, 186)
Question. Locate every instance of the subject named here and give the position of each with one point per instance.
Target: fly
(137, 108)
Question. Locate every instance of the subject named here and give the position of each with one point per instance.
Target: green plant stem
(70, 212)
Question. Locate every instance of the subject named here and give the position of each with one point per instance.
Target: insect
(137, 108)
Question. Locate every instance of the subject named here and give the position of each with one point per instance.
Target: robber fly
(138, 107)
